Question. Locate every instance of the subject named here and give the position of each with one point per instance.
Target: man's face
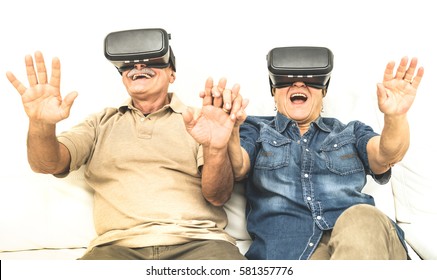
(299, 102)
(142, 81)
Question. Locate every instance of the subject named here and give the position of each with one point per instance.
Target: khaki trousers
(196, 250)
(362, 232)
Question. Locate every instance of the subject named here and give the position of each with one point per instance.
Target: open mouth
(298, 98)
(141, 76)
(145, 73)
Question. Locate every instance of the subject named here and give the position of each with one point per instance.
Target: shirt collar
(282, 122)
(175, 104)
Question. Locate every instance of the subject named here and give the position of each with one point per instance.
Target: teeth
(136, 76)
(146, 73)
(298, 96)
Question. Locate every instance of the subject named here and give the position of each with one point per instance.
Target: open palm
(42, 101)
(396, 93)
(211, 128)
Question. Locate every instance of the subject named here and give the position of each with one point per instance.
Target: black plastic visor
(126, 48)
(310, 65)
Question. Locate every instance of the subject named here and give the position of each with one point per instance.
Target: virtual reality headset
(311, 65)
(150, 46)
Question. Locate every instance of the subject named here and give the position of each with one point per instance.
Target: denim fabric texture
(299, 185)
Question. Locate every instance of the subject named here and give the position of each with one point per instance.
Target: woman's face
(299, 102)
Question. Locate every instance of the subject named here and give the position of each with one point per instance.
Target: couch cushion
(41, 211)
(413, 180)
(44, 254)
(418, 236)
(235, 209)
(414, 191)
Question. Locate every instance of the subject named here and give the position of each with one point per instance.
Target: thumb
(69, 98)
(68, 101)
(188, 116)
(381, 92)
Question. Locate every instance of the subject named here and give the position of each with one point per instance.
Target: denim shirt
(299, 185)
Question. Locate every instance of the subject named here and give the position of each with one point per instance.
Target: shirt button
(335, 145)
(308, 198)
(318, 217)
(307, 150)
(142, 119)
(305, 140)
(274, 142)
(311, 244)
(306, 175)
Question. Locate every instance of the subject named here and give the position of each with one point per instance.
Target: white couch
(43, 217)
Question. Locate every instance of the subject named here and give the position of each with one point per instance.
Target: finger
(388, 73)
(416, 80)
(30, 70)
(222, 85)
(41, 68)
(217, 95)
(241, 115)
(227, 100)
(411, 70)
(218, 92)
(400, 72)
(236, 91)
(236, 107)
(55, 79)
(16, 83)
(245, 103)
(207, 96)
(236, 99)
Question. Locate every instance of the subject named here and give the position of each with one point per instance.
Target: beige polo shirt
(145, 174)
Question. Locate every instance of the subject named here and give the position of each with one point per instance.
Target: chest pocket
(273, 154)
(342, 157)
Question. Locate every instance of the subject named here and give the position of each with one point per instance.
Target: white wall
(223, 38)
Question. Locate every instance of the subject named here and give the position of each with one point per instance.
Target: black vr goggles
(311, 65)
(126, 48)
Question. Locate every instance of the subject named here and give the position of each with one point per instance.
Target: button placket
(306, 172)
(145, 127)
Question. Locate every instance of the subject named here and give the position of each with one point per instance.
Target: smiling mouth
(298, 98)
(145, 73)
(141, 76)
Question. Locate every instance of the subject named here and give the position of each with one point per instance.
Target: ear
(324, 91)
(172, 76)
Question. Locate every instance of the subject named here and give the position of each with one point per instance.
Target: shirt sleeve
(249, 133)
(80, 140)
(363, 134)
